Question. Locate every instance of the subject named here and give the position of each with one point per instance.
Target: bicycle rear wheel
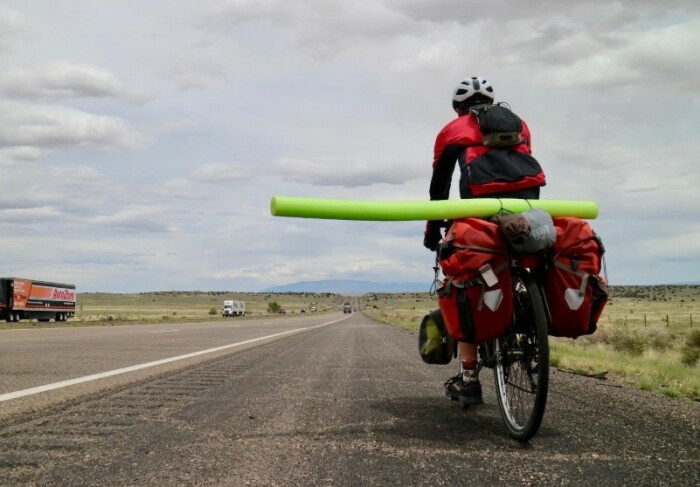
(522, 361)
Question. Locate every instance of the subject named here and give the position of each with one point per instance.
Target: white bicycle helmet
(471, 87)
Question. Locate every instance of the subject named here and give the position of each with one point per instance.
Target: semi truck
(27, 299)
(233, 308)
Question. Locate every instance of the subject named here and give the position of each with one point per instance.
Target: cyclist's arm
(443, 168)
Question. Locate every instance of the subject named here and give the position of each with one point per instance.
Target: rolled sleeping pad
(334, 209)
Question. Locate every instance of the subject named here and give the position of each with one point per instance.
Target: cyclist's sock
(470, 371)
(470, 375)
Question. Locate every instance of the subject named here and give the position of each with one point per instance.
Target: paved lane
(350, 404)
(32, 359)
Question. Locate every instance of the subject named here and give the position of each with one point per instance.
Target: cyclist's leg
(465, 386)
(467, 355)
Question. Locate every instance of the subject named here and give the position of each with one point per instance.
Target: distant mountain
(349, 287)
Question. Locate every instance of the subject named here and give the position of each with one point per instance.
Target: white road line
(164, 331)
(89, 378)
(124, 370)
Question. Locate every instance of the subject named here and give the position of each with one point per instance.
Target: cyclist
(487, 170)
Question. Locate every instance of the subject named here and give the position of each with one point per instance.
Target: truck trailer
(26, 299)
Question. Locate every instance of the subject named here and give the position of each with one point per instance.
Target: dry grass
(644, 336)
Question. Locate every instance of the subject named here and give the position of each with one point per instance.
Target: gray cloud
(663, 58)
(347, 173)
(593, 12)
(339, 100)
(139, 218)
(221, 173)
(51, 127)
(60, 81)
(324, 28)
(26, 215)
(70, 190)
(12, 23)
(196, 74)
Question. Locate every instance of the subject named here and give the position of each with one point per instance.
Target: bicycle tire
(522, 361)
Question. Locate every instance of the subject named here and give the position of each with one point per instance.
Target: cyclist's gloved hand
(432, 236)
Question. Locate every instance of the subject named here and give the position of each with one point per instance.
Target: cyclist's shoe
(468, 393)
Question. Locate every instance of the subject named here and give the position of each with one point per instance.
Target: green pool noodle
(335, 209)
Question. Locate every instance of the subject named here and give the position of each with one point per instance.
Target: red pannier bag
(476, 298)
(576, 293)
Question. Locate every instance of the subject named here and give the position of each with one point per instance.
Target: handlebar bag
(576, 293)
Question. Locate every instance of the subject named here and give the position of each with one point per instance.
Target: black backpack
(499, 126)
(504, 168)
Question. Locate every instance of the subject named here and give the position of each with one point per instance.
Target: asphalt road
(347, 404)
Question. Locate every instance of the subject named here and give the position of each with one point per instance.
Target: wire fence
(689, 320)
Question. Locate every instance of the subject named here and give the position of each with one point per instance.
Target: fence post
(691, 320)
(645, 321)
(666, 321)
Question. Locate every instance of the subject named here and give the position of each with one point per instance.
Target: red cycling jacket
(485, 171)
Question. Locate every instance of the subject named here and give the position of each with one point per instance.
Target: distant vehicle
(347, 308)
(233, 308)
(26, 299)
(282, 311)
(313, 309)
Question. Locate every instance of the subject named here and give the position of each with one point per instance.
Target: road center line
(88, 378)
(164, 331)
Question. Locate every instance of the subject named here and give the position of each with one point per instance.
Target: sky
(141, 141)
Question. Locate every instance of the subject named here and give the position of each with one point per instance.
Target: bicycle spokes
(522, 362)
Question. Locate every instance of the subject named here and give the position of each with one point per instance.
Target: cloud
(140, 218)
(61, 81)
(22, 153)
(176, 188)
(196, 74)
(56, 127)
(594, 12)
(68, 189)
(12, 22)
(380, 268)
(348, 173)
(29, 215)
(220, 173)
(428, 56)
(323, 28)
(679, 243)
(659, 59)
(322, 99)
